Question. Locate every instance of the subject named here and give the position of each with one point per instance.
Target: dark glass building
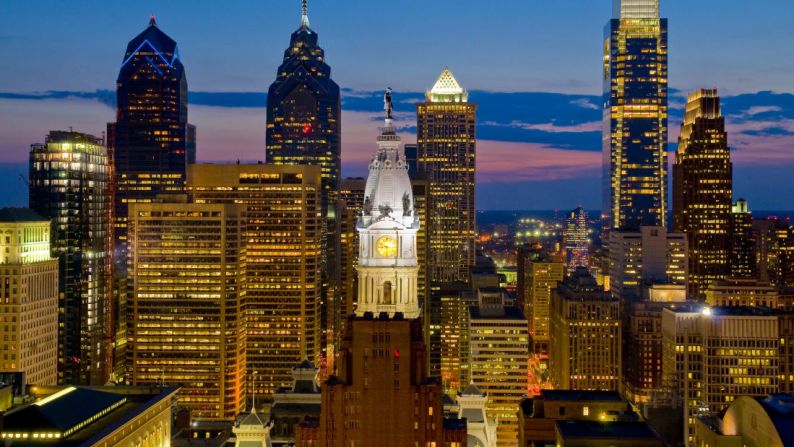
(635, 116)
(151, 142)
(703, 190)
(69, 184)
(303, 128)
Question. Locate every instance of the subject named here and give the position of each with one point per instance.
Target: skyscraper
(281, 230)
(577, 240)
(743, 244)
(303, 128)
(150, 144)
(381, 394)
(187, 325)
(446, 144)
(69, 184)
(29, 296)
(635, 116)
(702, 190)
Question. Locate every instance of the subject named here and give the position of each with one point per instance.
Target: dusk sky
(534, 67)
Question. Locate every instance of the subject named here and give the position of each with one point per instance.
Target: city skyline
(549, 142)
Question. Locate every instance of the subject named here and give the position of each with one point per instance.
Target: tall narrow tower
(446, 126)
(381, 394)
(303, 128)
(150, 144)
(635, 116)
(702, 190)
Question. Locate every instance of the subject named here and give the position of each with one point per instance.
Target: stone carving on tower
(387, 263)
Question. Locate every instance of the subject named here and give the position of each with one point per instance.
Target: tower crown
(447, 89)
(635, 9)
(387, 227)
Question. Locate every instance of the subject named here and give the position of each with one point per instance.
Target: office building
(351, 198)
(649, 255)
(635, 116)
(538, 275)
(612, 434)
(450, 333)
(150, 145)
(92, 417)
(713, 355)
(70, 185)
(381, 394)
(703, 189)
(742, 292)
(446, 148)
(187, 324)
(282, 230)
(743, 244)
(28, 296)
(295, 404)
(498, 358)
(585, 334)
(576, 238)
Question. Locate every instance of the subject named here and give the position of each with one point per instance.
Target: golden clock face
(387, 247)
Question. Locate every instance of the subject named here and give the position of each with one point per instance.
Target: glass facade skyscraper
(303, 128)
(703, 190)
(446, 146)
(69, 185)
(635, 116)
(151, 142)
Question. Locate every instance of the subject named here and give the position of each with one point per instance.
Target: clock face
(387, 247)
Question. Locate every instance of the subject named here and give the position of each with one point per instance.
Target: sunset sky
(534, 68)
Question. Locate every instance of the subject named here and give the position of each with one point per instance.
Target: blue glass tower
(635, 116)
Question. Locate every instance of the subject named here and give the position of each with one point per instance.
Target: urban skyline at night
(539, 120)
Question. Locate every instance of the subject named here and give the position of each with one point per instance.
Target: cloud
(585, 104)
(756, 110)
(592, 126)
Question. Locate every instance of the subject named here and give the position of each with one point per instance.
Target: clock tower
(387, 263)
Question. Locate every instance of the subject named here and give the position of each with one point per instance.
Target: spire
(304, 14)
(152, 22)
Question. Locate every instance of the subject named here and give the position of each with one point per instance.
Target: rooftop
(588, 396)
(11, 214)
(597, 429)
(510, 313)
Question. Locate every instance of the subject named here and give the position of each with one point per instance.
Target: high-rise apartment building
(743, 244)
(498, 359)
(713, 355)
(304, 128)
(382, 395)
(70, 185)
(282, 234)
(28, 297)
(635, 116)
(186, 319)
(538, 275)
(703, 191)
(576, 237)
(446, 129)
(585, 335)
(150, 145)
(649, 255)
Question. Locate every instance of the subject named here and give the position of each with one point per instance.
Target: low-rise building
(749, 421)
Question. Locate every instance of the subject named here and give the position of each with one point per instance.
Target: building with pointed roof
(252, 431)
(150, 143)
(303, 128)
(480, 428)
(382, 395)
(446, 146)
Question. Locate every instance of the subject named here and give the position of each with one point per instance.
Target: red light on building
(307, 129)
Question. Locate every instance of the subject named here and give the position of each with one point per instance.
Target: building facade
(70, 185)
(743, 242)
(635, 116)
(150, 144)
(282, 234)
(538, 275)
(649, 255)
(187, 325)
(586, 338)
(29, 296)
(498, 359)
(446, 145)
(703, 190)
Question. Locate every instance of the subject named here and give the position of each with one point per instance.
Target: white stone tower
(387, 265)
